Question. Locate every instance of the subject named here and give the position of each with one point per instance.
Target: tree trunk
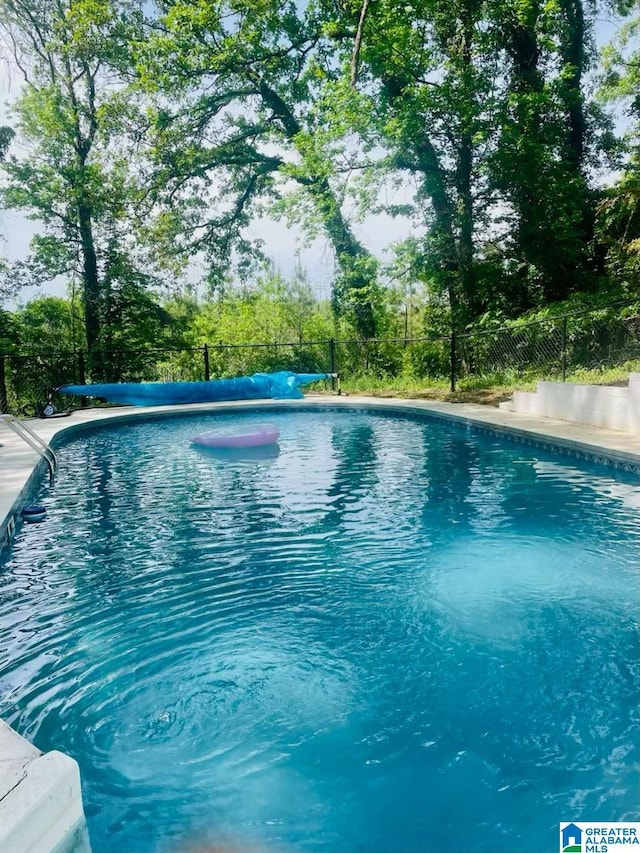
(425, 161)
(357, 265)
(573, 57)
(4, 405)
(575, 60)
(465, 215)
(91, 287)
(539, 247)
(464, 175)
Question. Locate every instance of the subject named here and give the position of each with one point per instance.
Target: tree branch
(358, 42)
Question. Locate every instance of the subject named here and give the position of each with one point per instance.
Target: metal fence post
(205, 353)
(564, 349)
(332, 362)
(4, 403)
(453, 360)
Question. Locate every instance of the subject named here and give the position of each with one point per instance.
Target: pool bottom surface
(384, 635)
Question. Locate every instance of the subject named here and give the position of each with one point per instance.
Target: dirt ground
(483, 396)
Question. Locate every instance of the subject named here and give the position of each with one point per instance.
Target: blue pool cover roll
(281, 385)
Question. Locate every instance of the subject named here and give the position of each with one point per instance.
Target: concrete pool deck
(40, 801)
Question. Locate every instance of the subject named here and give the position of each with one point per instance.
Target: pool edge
(40, 799)
(622, 450)
(42, 812)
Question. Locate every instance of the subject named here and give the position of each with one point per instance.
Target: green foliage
(6, 135)
(620, 78)
(271, 313)
(152, 136)
(619, 228)
(78, 169)
(242, 81)
(619, 210)
(9, 333)
(47, 324)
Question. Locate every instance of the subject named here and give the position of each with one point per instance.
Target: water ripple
(299, 652)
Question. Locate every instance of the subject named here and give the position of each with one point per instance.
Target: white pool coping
(40, 800)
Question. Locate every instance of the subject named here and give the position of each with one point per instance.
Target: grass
(487, 390)
(606, 375)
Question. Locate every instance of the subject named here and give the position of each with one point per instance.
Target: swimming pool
(389, 635)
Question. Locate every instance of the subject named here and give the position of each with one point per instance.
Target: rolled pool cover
(282, 385)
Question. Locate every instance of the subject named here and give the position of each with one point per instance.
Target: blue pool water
(388, 636)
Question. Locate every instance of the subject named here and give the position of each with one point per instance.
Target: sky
(283, 244)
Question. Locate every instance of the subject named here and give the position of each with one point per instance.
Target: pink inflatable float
(259, 436)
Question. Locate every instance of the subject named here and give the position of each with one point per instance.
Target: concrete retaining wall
(596, 405)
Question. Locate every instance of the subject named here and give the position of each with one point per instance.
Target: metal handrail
(34, 441)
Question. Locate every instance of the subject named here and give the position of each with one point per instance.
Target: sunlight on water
(345, 643)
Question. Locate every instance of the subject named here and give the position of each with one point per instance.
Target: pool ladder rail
(34, 441)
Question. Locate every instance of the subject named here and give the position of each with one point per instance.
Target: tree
(548, 144)
(9, 334)
(6, 135)
(79, 176)
(47, 324)
(244, 79)
(272, 310)
(483, 101)
(428, 74)
(619, 211)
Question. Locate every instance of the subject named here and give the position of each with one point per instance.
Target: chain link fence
(554, 348)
